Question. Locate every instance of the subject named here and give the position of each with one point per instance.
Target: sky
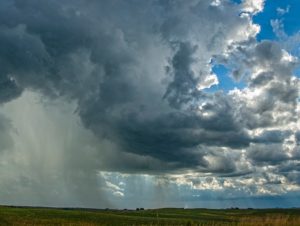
(159, 103)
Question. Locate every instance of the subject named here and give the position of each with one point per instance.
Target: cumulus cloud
(135, 76)
(253, 6)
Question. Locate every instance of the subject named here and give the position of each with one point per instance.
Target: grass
(168, 216)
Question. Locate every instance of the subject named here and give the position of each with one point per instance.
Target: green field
(167, 216)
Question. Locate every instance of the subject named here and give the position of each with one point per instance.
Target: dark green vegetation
(51, 216)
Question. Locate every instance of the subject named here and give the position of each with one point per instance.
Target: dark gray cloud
(271, 153)
(183, 88)
(298, 137)
(272, 136)
(82, 52)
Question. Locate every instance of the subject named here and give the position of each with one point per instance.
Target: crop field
(167, 216)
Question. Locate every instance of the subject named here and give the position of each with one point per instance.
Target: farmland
(166, 216)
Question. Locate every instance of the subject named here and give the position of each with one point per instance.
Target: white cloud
(253, 6)
(282, 11)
